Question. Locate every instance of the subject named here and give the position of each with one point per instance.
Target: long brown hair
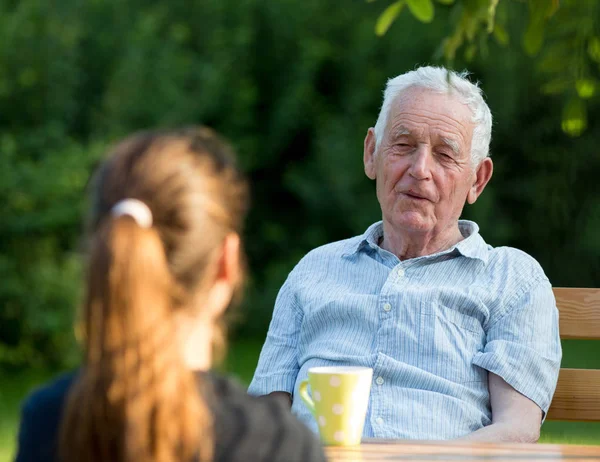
(135, 399)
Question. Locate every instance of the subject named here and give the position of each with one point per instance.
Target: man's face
(423, 163)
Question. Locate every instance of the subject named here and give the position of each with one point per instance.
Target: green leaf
(574, 117)
(423, 10)
(388, 16)
(557, 57)
(594, 49)
(534, 36)
(470, 23)
(586, 88)
(539, 11)
(542, 9)
(446, 2)
(553, 8)
(470, 52)
(501, 35)
(556, 87)
(492, 15)
(453, 43)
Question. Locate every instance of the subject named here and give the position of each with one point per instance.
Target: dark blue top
(246, 428)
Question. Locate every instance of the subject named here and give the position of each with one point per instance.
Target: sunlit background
(294, 84)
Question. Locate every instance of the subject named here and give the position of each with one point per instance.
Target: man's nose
(420, 167)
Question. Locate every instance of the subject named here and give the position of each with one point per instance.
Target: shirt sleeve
(277, 367)
(523, 345)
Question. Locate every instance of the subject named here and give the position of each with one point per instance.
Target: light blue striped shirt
(430, 327)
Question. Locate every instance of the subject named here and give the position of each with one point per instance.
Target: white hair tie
(136, 209)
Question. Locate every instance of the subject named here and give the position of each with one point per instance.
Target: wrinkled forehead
(432, 102)
(417, 109)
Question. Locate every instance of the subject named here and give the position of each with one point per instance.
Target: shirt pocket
(449, 340)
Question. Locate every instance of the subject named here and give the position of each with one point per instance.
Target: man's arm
(277, 367)
(515, 418)
(522, 355)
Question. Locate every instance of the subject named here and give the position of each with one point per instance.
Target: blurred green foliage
(294, 84)
(570, 61)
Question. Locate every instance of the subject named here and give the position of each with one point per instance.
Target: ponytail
(135, 399)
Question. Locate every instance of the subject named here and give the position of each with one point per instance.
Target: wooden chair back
(577, 395)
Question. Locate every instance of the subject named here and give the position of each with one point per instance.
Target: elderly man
(462, 337)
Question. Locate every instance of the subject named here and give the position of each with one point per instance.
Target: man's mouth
(415, 195)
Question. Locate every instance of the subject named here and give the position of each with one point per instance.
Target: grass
(13, 388)
(582, 354)
(241, 362)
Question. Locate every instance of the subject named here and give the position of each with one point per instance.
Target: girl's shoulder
(257, 428)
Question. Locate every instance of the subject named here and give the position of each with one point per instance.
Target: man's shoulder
(333, 251)
(513, 272)
(514, 259)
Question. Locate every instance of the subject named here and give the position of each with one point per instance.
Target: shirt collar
(472, 246)
(370, 238)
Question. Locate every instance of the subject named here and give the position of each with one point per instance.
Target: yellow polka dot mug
(340, 396)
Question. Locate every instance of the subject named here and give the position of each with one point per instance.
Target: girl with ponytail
(164, 262)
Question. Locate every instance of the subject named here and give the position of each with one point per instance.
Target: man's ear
(482, 176)
(369, 154)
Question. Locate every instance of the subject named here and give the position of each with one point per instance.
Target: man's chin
(412, 222)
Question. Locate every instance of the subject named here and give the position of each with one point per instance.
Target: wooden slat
(423, 451)
(579, 311)
(577, 395)
(431, 446)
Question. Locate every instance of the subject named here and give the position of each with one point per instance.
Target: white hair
(442, 80)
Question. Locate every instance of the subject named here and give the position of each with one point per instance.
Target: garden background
(294, 84)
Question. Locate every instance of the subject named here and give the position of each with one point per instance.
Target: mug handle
(303, 391)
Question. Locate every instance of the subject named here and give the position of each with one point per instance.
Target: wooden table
(383, 450)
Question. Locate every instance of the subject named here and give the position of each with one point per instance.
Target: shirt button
(387, 307)
(400, 272)
(379, 380)
(379, 421)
